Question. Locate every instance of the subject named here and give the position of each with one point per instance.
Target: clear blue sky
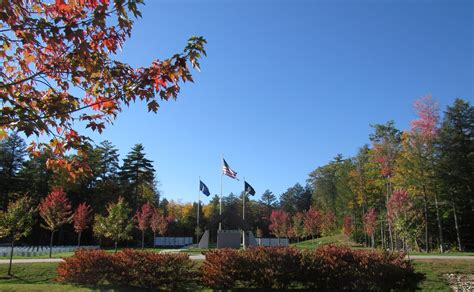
(289, 84)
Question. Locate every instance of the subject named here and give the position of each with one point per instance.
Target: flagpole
(220, 199)
(198, 207)
(243, 215)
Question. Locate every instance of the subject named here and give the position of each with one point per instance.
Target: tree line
(407, 188)
(410, 188)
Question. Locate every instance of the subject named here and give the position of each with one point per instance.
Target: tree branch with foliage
(59, 67)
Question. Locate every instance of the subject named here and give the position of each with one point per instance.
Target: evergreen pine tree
(137, 177)
(12, 154)
(456, 167)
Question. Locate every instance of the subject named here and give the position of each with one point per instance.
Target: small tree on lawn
(143, 219)
(164, 223)
(312, 222)
(279, 223)
(82, 217)
(155, 223)
(329, 223)
(298, 225)
(370, 219)
(347, 225)
(56, 211)
(117, 224)
(159, 223)
(403, 216)
(16, 222)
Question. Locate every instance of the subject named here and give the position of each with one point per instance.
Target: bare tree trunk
(79, 240)
(425, 209)
(115, 246)
(382, 238)
(440, 229)
(11, 257)
(458, 235)
(51, 244)
(390, 236)
(143, 239)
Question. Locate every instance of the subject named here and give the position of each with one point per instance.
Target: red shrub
(152, 270)
(272, 267)
(342, 268)
(128, 268)
(328, 268)
(260, 267)
(86, 267)
(221, 268)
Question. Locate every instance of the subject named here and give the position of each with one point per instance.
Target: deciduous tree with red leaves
(144, 215)
(405, 219)
(386, 143)
(280, 223)
(329, 223)
(370, 219)
(312, 222)
(159, 223)
(347, 225)
(82, 218)
(56, 211)
(59, 67)
(422, 138)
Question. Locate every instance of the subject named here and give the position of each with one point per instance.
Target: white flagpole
(198, 207)
(220, 199)
(243, 215)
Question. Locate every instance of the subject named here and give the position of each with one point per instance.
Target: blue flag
(203, 188)
(249, 189)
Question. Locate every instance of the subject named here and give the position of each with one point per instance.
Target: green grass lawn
(454, 253)
(33, 277)
(317, 242)
(40, 276)
(434, 271)
(343, 239)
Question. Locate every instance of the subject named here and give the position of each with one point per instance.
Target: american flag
(227, 170)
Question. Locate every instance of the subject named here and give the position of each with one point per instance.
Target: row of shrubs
(128, 268)
(328, 268)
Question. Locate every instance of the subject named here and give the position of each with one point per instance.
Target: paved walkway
(440, 257)
(30, 261)
(201, 257)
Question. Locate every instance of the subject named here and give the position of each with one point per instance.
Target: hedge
(329, 267)
(128, 268)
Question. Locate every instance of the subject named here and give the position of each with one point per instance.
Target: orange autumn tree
(81, 219)
(159, 223)
(143, 216)
(56, 211)
(58, 67)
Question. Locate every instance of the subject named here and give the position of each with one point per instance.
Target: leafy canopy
(58, 68)
(55, 210)
(16, 222)
(117, 224)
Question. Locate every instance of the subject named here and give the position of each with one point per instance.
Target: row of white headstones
(33, 251)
